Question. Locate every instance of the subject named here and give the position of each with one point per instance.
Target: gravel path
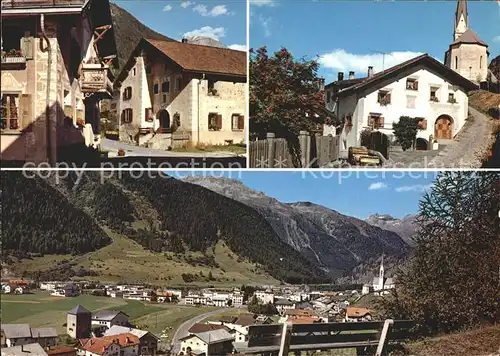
(465, 150)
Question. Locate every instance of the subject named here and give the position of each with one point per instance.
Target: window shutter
(388, 97)
(416, 85)
(122, 116)
(219, 121)
(26, 113)
(370, 121)
(241, 122)
(381, 122)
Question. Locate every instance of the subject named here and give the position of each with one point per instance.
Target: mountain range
(295, 242)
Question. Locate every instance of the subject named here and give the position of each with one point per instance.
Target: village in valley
(223, 328)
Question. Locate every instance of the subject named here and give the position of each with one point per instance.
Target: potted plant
(80, 122)
(434, 99)
(121, 152)
(452, 100)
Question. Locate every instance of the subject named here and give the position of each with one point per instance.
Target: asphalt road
(182, 331)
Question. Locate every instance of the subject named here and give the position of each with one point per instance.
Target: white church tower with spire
(467, 54)
(381, 275)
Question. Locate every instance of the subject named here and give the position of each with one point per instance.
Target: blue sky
(348, 34)
(222, 20)
(354, 193)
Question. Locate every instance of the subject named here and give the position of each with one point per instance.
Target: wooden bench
(368, 338)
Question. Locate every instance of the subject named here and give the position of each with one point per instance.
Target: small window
(237, 122)
(411, 84)
(384, 97)
(214, 122)
(434, 96)
(126, 119)
(211, 87)
(451, 98)
(165, 86)
(456, 62)
(376, 122)
(155, 88)
(127, 93)
(481, 62)
(133, 71)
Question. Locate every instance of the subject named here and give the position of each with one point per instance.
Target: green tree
(406, 130)
(453, 279)
(285, 97)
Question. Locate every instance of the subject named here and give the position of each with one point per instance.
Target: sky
(353, 193)
(222, 20)
(347, 35)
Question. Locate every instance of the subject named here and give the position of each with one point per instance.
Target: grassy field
(41, 309)
(229, 312)
(126, 261)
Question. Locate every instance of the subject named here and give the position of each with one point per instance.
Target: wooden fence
(315, 151)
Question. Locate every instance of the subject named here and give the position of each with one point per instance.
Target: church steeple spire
(461, 19)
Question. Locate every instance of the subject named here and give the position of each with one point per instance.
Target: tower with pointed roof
(467, 54)
(381, 273)
(78, 322)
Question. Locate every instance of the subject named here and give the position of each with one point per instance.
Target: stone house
(109, 318)
(214, 342)
(421, 88)
(171, 94)
(78, 322)
(55, 60)
(148, 342)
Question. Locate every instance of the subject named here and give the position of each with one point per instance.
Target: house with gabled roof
(214, 342)
(108, 318)
(148, 342)
(421, 88)
(172, 93)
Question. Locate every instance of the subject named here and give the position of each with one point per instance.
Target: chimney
(341, 76)
(184, 40)
(370, 71)
(351, 75)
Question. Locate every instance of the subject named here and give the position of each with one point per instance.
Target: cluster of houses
(15, 286)
(423, 88)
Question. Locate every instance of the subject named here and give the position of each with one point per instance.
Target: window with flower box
(384, 97)
(434, 94)
(451, 98)
(376, 122)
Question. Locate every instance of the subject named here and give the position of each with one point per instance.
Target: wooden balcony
(94, 79)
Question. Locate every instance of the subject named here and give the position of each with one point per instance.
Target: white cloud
(342, 61)
(238, 47)
(263, 2)
(186, 4)
(167, 8)
(419, 188)
(216, 10)
(496, 39)
(208, 31)
(377, 186)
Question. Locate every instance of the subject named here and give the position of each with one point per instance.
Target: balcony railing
(13, 57)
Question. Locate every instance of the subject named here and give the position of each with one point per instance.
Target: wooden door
(443, 128)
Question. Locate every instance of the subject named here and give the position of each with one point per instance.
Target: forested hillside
(38, 219)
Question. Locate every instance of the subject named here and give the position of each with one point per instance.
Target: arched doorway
(422, 144)
(443, 128)
(164, 118)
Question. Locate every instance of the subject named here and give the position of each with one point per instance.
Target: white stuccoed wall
(361, 107)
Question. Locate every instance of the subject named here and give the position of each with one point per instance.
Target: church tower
(381, 275)
(467, 54)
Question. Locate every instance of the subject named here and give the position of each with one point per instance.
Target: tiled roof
(97, 345)
(79, 310)
(199, 58)
(124, 340)
(470, 36)
(353, 312)
(305, 320)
